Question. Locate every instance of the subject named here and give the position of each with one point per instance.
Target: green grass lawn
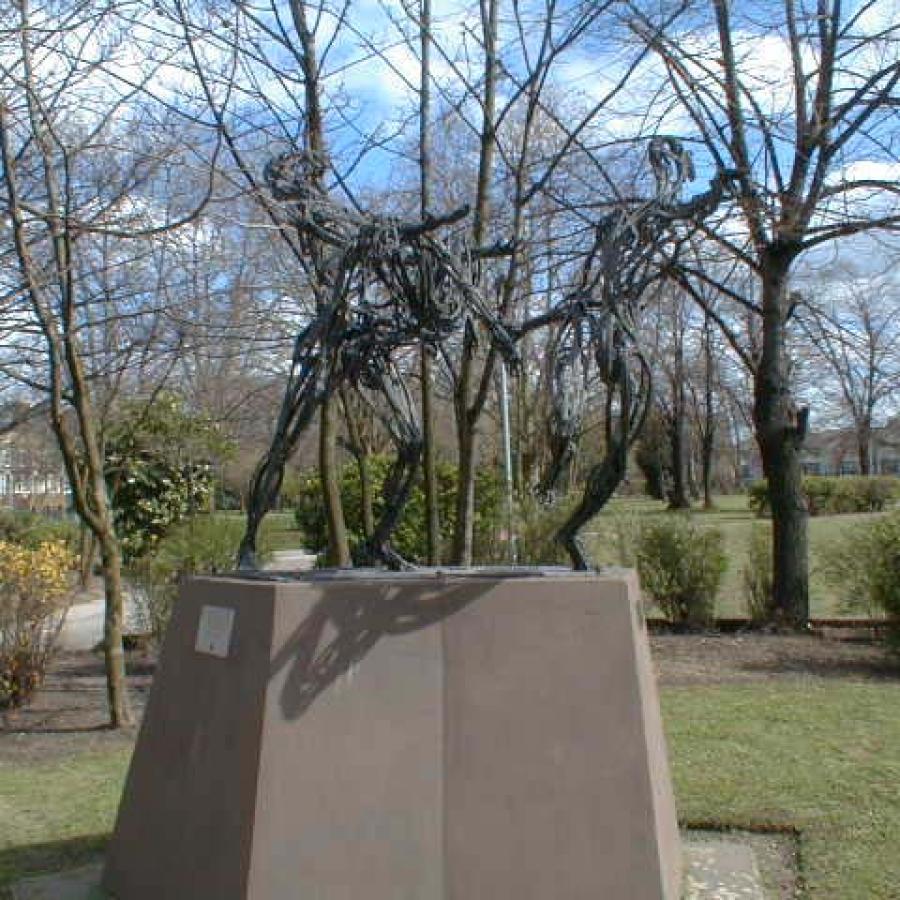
(820, 758)
(279, 528)
(56, 814)
(735, 519)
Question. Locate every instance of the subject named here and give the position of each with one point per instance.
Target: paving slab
(715, 869)
(721, 870)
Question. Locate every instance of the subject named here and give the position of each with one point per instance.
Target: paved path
(83, 629)
(291, 561)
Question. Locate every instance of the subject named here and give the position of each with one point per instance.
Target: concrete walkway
(723, 869)
(291, 561)
(83, 629)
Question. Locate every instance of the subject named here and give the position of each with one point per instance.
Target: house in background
(32, 476)
(833, 452)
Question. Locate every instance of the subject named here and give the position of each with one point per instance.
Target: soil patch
(696, 659)
(68, 715)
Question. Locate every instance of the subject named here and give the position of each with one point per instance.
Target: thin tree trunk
(88, 550)
(338, 545)
(113, 626)
(780, 429)
(429, 450)
(429, 463)
(360, 450)
(678, 497)
(708, 431)
(466, 414)
(464, 525)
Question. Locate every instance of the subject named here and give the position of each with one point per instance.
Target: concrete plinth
(422, 736)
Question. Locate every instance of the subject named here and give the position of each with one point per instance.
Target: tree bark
(338, 545)
(113, 624)
(429, 463)
(466, 414)
(780, 431)
(464, 524)
(864, 448)
(429, 449)
(678, 496)
(359, 447)
(708, 432)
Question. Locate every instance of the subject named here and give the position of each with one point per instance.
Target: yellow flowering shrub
(35, 594)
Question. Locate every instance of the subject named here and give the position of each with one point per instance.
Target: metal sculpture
(597, 331)
(381, 286)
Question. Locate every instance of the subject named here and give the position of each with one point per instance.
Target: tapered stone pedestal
(473, 735)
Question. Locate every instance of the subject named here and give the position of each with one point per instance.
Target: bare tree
(797, 109)
(854, 333)
(76, 196)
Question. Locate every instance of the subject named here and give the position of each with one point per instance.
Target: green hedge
(410, 538)
(834, 495)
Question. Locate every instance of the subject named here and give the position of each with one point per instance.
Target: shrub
(758, 496)
(681, 567)
(833, 495)
(32, 529)
(865, 566)
(202, 545)
(825, 495)
(34, 598)
(756, 575)
(617, 538)
(536, 527)
(410, 538)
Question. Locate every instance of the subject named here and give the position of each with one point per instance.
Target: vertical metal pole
(507, 464)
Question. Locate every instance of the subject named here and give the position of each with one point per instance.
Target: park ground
(789, 735)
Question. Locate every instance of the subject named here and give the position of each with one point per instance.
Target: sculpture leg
(602, 482)
(402, 424)
(608, 474)
(311, 381)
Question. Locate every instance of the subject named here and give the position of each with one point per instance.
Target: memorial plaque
(214, 630)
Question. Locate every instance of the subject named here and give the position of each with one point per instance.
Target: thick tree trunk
(338, 545)
(780, 430)
(113, 623)
(864, 448)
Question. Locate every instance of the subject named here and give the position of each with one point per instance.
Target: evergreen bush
(410, 537)
(681, 567)
(864, 564)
